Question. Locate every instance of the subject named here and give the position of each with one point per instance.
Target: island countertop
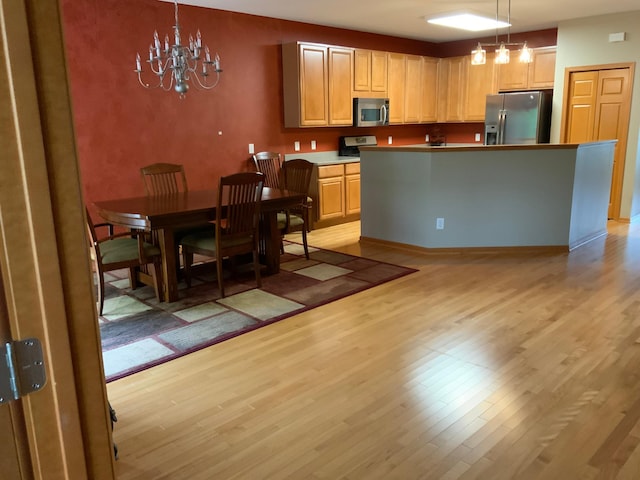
(466, 148)
(542, 196)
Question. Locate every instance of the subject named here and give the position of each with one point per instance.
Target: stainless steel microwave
(370, 112)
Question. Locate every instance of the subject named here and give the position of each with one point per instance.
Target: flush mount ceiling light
(479, 55)
(179, 65)
(468, 21)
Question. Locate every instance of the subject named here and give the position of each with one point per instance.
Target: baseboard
(554, 249)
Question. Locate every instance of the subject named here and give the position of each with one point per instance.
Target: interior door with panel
(597, 107)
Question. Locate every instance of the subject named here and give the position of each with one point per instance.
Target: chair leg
(187, 260)
(133, 277)
(304, 241)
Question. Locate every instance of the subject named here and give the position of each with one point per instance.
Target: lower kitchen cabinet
(335, 190)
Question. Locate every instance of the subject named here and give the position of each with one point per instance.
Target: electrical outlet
(252, 149)
(296, 146)
(426, 137)
(439, 223)
(477, 137)
(313, 144)
(390, 140)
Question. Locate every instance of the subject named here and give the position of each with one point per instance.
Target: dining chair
(297, 178)
(163, 178)
(269, 163)
(235, 230)
(123, 250)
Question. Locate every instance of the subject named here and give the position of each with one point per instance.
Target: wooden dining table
(163, 215)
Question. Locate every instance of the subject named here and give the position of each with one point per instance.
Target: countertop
(322, 158)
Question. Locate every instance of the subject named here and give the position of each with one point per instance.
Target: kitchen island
(545, 196)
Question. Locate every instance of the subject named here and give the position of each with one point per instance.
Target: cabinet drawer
(325, 171)
(351, 168)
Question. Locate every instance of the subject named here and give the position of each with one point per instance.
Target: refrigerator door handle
(502, 118)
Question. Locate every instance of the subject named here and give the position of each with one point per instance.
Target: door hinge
(22, 369)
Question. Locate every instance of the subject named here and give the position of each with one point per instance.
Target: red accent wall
(120, 126)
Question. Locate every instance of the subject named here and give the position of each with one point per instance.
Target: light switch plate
(477, 137)
(390, 140)
(252, 148)
(296, 146)
(313, 144)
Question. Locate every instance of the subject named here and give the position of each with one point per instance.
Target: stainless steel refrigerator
(517, 117)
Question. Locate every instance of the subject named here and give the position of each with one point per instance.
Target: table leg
(166, 242)
(271, 239)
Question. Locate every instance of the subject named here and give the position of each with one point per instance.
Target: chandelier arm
(205, 86)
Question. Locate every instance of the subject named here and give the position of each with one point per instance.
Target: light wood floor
(477, 366)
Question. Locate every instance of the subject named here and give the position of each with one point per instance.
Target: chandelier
(178, 65)
(479, 55)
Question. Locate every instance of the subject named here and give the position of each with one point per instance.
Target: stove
(350, 146)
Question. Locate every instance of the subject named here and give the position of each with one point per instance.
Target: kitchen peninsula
(545, 196)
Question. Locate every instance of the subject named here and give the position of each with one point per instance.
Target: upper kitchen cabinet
(413, 89)
(317, 82)
(481, 80)
(340, 81)
(430, 74)
(452, 84)
(396, 67)
(370, 73)
(529, 76)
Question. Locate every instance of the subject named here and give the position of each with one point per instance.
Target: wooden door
(480, 82)
(543, 68)
(379, 72)
(362, 70)
(456, 72)
(396, 68)
(430, 74)
(413, 92)
(14, 460)
(513, 75)
(44, 265)
(314, 106)
(597, 107)
(340, 81)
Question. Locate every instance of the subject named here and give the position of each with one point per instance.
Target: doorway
(597, 107)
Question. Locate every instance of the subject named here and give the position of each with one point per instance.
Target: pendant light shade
(479, 55)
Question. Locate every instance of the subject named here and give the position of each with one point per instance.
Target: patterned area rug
(138, 332)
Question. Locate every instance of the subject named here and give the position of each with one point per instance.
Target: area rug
(138, 332)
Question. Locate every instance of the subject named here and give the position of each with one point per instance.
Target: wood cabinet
(480, 81)
(317, 83)
(370, 73)
(430, 84)
(529, 76)
(413, 84)
(452, 89)
(335, 191)
(352, 188)
(413, 89)
(396, 63)
(340, 80)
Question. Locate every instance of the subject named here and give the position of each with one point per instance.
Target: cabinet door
(453, 88)
(543, 68)
(362, 70)
(413, 92)
(480, 82)
(379, 72)
(396, 63)
(352, 188)
(314, 105)
(430, 71)
(340, 81)
(331, 198)
(513, 75)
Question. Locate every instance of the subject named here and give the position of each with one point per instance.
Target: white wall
(586, 42)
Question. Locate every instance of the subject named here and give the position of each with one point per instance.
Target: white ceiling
(406, 18)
